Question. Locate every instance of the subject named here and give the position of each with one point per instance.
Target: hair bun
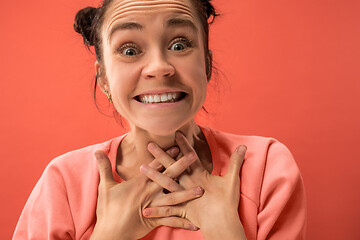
(83, 24)
(210, 10)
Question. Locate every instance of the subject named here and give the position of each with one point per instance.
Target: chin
(164, 127)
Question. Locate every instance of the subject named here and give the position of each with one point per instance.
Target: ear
(209, 62)
(101, 77)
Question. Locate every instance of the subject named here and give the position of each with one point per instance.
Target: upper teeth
(165, 97)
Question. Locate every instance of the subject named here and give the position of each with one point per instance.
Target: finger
(187, 149)
(176, 169)
(104, 167)
(175, 222)
(178, 197)
(156, 165)
(236, 161)
(164, 211)
(164, 158)
(172, 152)
(160, 179)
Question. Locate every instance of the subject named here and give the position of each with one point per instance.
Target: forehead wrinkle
(130, 3)
(125, 8)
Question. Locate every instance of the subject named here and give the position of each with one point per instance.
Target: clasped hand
(131, 209)
(218, 207)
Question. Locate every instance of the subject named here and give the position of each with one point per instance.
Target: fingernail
(151, 146)
(174, 151)
(199, 191)
(193, 227)
(178, 134)
(98, 154)
(241, 149)
(146, 212)
(191, 156)
(144, 168)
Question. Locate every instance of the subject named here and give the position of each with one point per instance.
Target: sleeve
(282, 209)
(46, 214)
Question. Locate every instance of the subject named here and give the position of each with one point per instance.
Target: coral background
(287, 69)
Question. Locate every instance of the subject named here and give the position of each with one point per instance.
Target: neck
(135, 143)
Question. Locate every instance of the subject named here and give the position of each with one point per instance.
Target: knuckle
(104, 168)
(156, 165)
(171, 199)
(167, 211)
(169, 164)
(171, 222)
(184, 224)
(150, 173)
(169, 174)
(170, 184)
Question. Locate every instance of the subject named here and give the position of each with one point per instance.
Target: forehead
(121, 9)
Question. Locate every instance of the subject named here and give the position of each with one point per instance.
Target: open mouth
(169, 97)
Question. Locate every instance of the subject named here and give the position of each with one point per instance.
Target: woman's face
(154, 63)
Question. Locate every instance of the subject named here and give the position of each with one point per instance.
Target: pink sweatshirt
(272, 200)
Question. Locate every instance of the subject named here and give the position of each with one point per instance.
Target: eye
(129, 50)
(180, 44)
(178, 47)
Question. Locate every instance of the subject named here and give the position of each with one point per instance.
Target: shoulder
(65, 193)
(78, 163)
(71, 175)
(256, 145)
(268, 162)
(261, 151)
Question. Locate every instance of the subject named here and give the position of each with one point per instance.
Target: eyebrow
(181, 22)
(125, 26)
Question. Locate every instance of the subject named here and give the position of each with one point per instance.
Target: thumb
(104, 167)
(236, 161)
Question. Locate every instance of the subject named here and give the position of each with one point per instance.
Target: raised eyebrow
(125, 26)
(181, 22)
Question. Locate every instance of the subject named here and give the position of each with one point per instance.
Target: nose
(158, 67)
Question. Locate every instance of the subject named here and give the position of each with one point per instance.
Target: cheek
(196, 73)
(122, 77)
(119, 74)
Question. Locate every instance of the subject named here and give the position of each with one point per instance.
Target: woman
(153, 63)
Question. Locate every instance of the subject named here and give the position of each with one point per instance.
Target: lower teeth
(168, 101)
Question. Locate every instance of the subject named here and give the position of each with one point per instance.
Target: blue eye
(180, 44)
(130, 52)
(178, 47)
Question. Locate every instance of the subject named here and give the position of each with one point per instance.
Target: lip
(160, 91)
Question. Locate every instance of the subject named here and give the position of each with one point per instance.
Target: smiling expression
(154, 63)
